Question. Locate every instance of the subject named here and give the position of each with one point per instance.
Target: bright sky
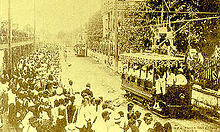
(52, 15)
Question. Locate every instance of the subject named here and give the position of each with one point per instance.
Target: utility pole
(162, 14)
(35, 23)
(9, 36)
(116, 34)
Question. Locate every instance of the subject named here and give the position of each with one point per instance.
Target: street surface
(104, 82)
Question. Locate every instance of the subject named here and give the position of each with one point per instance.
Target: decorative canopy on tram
(146, 58)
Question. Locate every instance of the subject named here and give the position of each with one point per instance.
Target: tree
(94, 31)
(136, 32)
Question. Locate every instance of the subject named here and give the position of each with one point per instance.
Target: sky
(51, 15)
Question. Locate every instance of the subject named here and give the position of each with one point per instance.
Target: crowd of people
(27, 88)
(34, 99)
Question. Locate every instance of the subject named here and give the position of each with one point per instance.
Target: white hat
(180, 69)
(59, 90)
(18, 114)
(70, 126)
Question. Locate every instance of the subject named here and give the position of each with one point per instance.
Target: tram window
(132, 79)
(142, 82)
(150, 84)
(123, 76)
(145, 84)
(129, 78)
(138, 82)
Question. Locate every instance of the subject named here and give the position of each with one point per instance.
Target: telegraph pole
(35, 23)
(116, 34)
(9, 36)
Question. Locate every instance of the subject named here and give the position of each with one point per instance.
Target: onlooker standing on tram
(170, 78)
(180, 79)
(158, 85)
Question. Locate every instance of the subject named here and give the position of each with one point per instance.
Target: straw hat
(59, 90)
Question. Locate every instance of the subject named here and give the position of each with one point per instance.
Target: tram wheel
(126, 95)
(148, 104)
(145, 104)
(165, 110)
(151, 103)
(130, 97)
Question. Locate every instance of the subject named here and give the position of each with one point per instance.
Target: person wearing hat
(85, 111)
(71, 109)
(71, 86)
(87, 92)
(98, 102)
(170, 78)
(132, 124)
(167, 127)
(32, 125)
(130, 106)
(99, 121)
(54, 111)
(158, 127)
(130, 113)
(121, 121)
(137, 118)
(106, 119)
(71, 115)
(61, 121)
(26, 121)
(77, 103)
(148, 118)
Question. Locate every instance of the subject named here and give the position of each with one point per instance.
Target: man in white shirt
(54, 111)
(31, 127)
(180, 79)
(25, 122)
(109, 123)
(170, 78)
(11, 97)
(158, 86)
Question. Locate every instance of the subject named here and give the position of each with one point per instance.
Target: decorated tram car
(80, 50)
(150, 79)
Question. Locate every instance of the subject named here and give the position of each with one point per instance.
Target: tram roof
(152, 56)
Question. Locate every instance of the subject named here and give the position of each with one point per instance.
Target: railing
(207, 98)
(15, 44)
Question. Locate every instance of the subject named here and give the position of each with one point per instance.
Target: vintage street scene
(109, 65)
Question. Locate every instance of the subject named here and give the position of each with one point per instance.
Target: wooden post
(116, 34)
(34, 23)
(9, 35)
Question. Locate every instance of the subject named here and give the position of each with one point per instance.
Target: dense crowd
(34, 99)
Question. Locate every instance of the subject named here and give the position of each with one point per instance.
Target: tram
(80, 50)
(152, 79)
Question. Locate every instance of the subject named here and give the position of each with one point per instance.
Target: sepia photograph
(109, 66)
